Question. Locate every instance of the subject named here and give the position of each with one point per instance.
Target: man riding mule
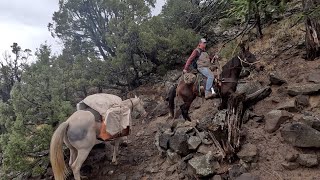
(200, 60)
(226, 86)
(102, 117)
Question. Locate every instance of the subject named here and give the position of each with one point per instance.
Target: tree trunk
(312, 24)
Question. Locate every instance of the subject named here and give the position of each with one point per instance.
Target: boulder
(308, 160)
(275, 118)
(204, 165)
(179, 144)
(300, 135)
(276, 79)
(307, 89)
(194, 142)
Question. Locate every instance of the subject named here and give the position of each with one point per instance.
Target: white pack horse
(79, 133)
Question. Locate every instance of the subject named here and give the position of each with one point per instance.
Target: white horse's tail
(59, 168)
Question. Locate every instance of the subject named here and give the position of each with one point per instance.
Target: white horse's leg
(82, 156)
(73, 155)
(115, 151)
(73, 151)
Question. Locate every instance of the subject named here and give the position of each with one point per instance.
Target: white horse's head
(138, 105)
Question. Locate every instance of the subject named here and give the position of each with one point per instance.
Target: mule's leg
(115, 151)
(82, 156)
(185, 111)
(176, 109)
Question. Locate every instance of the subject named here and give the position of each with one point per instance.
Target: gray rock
(307, 89)
(204, 165)
(204, 149)
(308, 160)
(183, 130)
(196, 104)
(164, 140)
(194, 142)
(289, 106)
(182, 166)
(300, 135)
(247, 176)
(236, 170)
(212, 121)
(160, 110)
(205, 138)
(290, 165)
(275, 118)
(302, 101)
(315, 77)
(164, 128)
(179, 143)
(312, 121)
(248, 153)
(248, 88)
(276, 79)
(187, 157)
(173, 157)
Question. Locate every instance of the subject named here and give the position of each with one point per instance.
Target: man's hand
(184, 71)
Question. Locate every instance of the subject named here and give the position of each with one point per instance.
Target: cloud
(28, 12)
(25, 22)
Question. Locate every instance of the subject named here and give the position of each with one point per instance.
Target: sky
(25, 22)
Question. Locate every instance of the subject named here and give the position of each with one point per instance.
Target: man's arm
(190, 59)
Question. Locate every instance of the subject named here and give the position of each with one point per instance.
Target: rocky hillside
(280, 139)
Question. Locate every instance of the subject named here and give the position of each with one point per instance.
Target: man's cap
(203, 40)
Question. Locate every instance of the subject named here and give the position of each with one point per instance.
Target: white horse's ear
(135, 96)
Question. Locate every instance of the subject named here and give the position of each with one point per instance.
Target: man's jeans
(207, 73)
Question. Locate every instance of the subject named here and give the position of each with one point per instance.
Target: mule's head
(247, 58)
(138, 105)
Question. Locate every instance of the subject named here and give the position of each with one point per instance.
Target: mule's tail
(172, 95)
(59, 168)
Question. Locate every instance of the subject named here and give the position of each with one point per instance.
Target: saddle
(108, 110)
(196, 78)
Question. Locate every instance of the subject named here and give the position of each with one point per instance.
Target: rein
(245, 61)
